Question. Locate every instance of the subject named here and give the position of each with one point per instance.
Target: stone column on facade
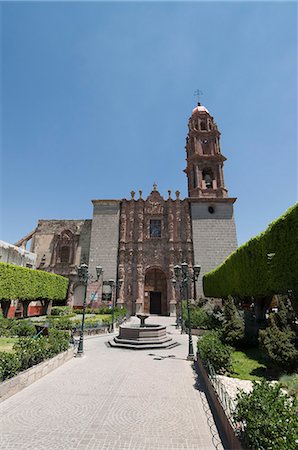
(121, 265)
(140, 290)
(221, 178)
(120, 290)
(140, 276)
(128, 283)
(140, 221)
(198, 184)
(171, 288)
(171, 222)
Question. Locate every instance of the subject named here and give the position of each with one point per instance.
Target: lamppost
(180, 310)
(182, 276)
(114, 286)
(84, 276)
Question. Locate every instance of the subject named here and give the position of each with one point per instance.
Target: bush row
(62, 311)
(29, 351)
(249, 271)
(15, 327)
(104, 310)
(28, 284)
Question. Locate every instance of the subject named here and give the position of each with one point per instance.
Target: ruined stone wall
(46, 239)
(16, 255)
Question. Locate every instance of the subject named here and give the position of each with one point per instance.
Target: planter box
(23, 379)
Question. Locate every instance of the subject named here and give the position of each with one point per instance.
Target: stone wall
(214, 234)
(105, 237)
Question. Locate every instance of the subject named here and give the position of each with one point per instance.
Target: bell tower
(204, 168)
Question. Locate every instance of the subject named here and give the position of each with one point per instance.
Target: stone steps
(143, 345)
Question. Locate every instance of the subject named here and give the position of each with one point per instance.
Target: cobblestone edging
(29, 376)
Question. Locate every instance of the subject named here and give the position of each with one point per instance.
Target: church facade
(140, 240)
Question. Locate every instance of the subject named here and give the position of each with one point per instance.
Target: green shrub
(14, 327)
(269, 418)
(198, 317)
(61, 323)
(23, 328)
(232, 331)
(247, 271)
(279, 346)
(212, 350)
(62, 311)
(58, 341)
(106, 320)
(214, 315)
(6, 326)
(10, 365)
(31, 351)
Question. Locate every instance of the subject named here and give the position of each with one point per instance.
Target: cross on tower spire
(198, 93)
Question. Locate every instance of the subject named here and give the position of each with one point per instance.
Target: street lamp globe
(177, 271)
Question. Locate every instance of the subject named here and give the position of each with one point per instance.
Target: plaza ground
(114, 399)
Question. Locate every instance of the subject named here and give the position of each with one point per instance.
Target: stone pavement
(113, 399)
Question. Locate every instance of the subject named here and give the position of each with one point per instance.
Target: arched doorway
(155, 295)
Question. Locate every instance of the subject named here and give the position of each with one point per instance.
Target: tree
(232, 331)
(278, 340)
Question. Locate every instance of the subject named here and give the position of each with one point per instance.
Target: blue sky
(96, 99)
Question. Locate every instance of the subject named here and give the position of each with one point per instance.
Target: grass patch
(6, 344)
(249, 365)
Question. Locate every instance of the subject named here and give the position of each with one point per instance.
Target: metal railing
(227, 402)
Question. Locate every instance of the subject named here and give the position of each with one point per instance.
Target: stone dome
(199, 109)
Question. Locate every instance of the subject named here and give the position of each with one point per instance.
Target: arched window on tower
(206, 146)
(208, 178)
(203, 125)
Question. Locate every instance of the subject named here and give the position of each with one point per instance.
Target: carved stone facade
(139, 240)
(156, 235)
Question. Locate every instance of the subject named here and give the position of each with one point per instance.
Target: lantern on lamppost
(84, 277)
(183, 276)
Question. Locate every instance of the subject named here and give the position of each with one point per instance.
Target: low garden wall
(29, 376)
(223, 424)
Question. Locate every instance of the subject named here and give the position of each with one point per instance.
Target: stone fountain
(143, 336)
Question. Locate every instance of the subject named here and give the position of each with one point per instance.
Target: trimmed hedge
(22, 283)
(29, 351)
(249, 272)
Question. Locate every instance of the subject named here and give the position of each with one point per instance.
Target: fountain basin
(146, 337)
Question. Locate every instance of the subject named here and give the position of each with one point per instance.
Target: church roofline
(115, 201)
(211, 200)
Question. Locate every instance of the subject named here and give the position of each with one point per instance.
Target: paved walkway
(113, 399)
